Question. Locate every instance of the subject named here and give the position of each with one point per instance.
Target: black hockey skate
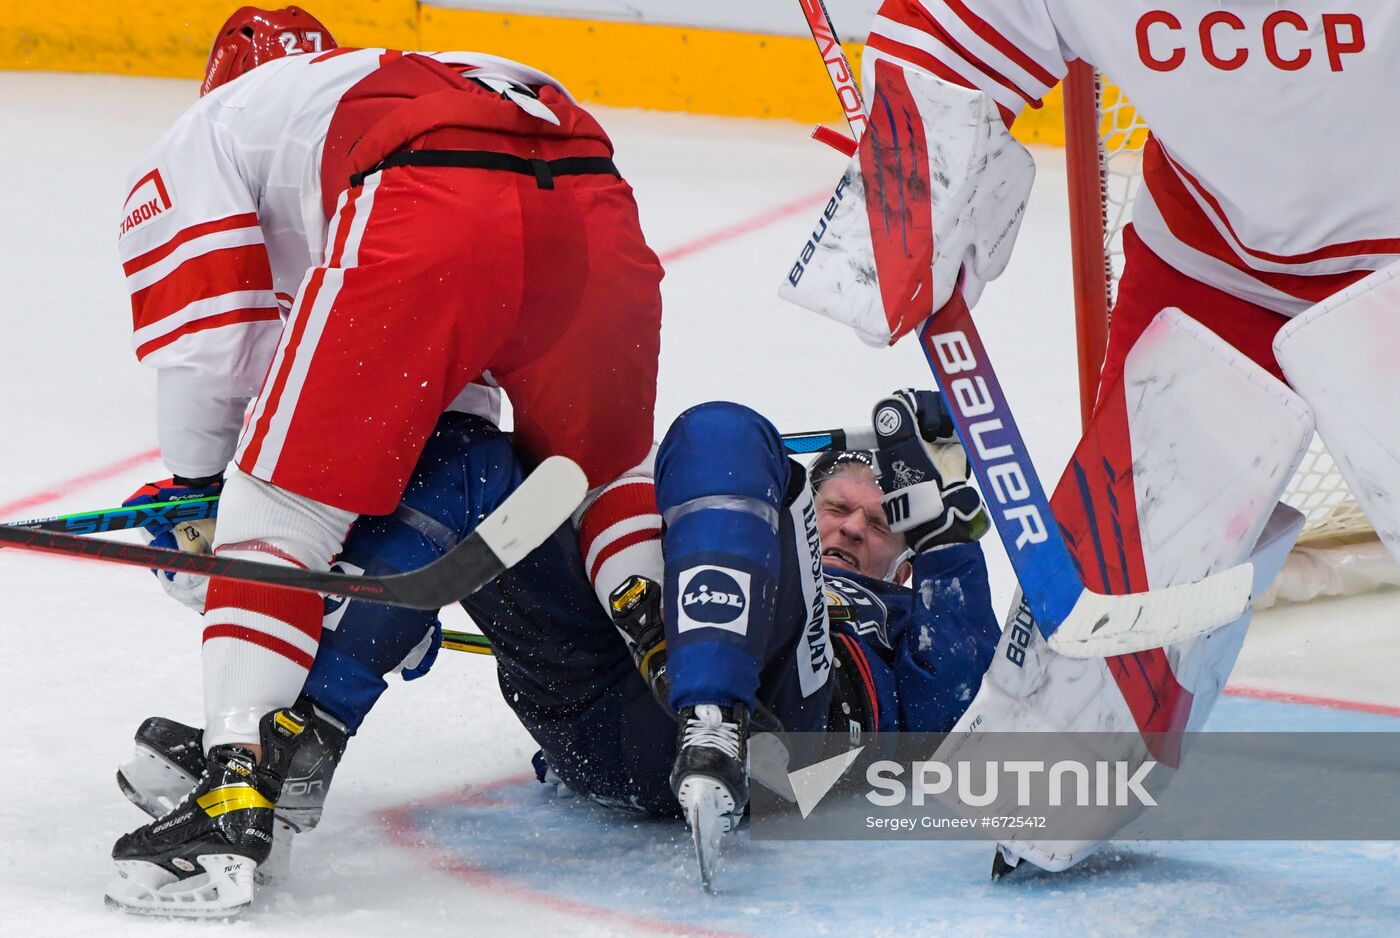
(635, 608)
(199, 861)
(1004, 863)
(711, 777)
(168, 760)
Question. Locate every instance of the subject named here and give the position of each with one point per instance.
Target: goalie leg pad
(1341, 356)
(1078, 696)
(1176, 477)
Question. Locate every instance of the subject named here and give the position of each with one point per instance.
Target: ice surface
(87, 651)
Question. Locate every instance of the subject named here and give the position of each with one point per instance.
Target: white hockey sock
(620, 531)
(260, 641)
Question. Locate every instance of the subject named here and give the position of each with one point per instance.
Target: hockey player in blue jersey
(780, 596)
(788, 593)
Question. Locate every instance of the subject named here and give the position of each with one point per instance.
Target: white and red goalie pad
(937, 186)
(1343, 356)
(1213, 440)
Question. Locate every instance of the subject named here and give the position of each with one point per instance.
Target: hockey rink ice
(435, 826)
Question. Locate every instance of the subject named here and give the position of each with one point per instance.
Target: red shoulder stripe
(921, 59)
(918, 18)
(1003, 45)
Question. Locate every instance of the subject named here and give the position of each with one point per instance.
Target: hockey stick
(122, 518)
(180, 511)
(522, 522)
(838, 69)
(454, 640)
(1074, 620)
(823, 441)
(194, 509)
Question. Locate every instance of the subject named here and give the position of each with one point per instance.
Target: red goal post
(1338, 552)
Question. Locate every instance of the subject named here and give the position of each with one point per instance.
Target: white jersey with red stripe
(1265, 177)
(224, 219)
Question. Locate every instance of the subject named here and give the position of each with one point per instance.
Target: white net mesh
(1318, 491)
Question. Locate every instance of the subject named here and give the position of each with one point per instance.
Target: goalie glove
(192, 537)
(923, 472)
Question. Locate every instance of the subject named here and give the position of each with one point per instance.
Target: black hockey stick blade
(525, 520)
(122, 518)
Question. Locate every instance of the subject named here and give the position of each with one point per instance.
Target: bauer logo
(714, 598)
(809, 250)
(149, 199)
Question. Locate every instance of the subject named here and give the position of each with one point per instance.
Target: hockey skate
(711, 777)
(635, 607)
(199, 861)
(1004, 863)
(168, 761)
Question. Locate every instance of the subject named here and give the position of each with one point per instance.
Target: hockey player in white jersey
(1261, 197)
(353, 237)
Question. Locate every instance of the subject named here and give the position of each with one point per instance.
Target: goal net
(1338, 552)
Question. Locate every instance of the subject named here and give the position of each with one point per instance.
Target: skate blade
(1003, 863)
(223, 890)
(152, 782)
(709, 809)
(277, 868)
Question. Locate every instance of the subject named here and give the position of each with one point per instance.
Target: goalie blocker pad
(1211, 441)
(937, 186)
(1341, 355)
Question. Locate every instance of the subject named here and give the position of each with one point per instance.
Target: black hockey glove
(923, 472)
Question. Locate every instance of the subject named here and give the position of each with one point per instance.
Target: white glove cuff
(913, 505)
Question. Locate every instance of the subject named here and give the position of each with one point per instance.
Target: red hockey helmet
(252, 36)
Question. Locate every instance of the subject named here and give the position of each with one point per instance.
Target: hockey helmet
(832, 462)
(252, 36)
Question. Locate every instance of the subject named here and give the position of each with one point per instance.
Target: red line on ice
(1311, 700)
(404, 832)
(60, 489)
(762, 220)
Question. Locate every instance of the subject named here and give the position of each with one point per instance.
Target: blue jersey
(921, 650)
(742, 524)
(772, 625)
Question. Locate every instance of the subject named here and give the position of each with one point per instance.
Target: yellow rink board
(623, 64)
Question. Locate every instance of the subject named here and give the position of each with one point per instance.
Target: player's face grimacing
(852, 527)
